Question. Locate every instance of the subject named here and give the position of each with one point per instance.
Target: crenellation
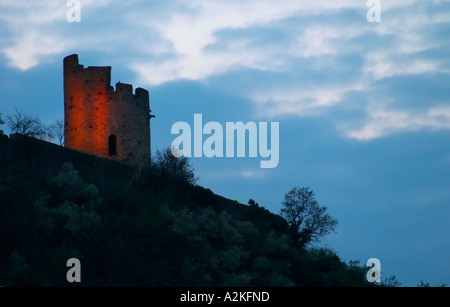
(141, 93)
(71, 64)
(124, 88)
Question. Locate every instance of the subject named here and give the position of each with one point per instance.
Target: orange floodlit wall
(103, 121)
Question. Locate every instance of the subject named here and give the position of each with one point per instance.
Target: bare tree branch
(27, 125)
(1, 123)
(57, 130)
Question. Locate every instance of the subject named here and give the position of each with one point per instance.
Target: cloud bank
(302, 58)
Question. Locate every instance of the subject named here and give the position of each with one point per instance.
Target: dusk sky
(363, 107)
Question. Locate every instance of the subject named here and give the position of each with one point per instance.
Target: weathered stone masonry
(101, 121)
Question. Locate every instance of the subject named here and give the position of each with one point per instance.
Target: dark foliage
(308, 221)
(160, 231)
(1, 123)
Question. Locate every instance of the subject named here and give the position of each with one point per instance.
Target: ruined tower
(101, 121)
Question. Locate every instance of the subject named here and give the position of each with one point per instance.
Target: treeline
(159, 230)
(27, 125)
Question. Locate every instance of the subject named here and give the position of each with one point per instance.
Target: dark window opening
(112, 142)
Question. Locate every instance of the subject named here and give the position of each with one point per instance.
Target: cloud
(34, 30)
(40, 45)
(319, 52)
(208, 175)
(383, 122)
(301, 102)
(381, 66)
(252, 174)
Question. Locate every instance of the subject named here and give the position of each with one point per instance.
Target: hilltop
(147, 229)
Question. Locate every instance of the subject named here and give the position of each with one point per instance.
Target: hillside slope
(147, 230)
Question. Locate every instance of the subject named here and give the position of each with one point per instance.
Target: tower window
(112, 145)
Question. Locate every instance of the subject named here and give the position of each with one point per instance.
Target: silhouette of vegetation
(1, 123)
(307, 220)
(159, 229)
(166, 165)
(427, 285)
(167, 170)
(27, 125)
(57, 131)
(253, 203)
(391, 282)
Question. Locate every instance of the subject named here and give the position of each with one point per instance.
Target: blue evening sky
(364, 108)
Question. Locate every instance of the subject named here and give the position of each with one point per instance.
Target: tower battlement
(102, 120)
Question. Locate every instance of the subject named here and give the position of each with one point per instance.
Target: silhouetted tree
(20, 270)
(165, 164)
(79, 200)
(57, 131)
(27, 125)
(253, 203)
(391, 282)
(1, 123)
(307, 220)
(427, 285)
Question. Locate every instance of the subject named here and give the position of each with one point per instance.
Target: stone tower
(101, 121)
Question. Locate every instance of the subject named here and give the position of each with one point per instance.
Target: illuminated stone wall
(101, 121)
